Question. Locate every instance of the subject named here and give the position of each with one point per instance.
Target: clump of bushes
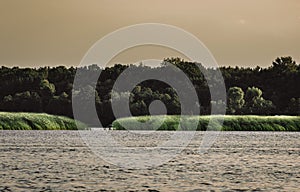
(37, 121)
(201, 123)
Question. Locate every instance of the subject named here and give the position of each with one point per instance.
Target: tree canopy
(262, 91)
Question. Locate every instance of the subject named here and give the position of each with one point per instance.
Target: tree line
(260, 91)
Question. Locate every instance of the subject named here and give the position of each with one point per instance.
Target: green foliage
(253, 93)
(231, 123)
(50, 90)
(294, 106)
(47, 88)
(29, 101)
(37, 121)
(138, 107)
(284, 65)
(256, 104)
(235, 99)
(219, 107)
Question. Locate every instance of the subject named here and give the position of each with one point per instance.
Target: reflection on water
(59, 160)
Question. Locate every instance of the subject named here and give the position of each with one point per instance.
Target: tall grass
(231, 123)
(37, 121)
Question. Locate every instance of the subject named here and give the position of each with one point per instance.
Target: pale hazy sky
(59, 32)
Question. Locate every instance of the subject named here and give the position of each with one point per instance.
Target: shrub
(37, 121)
(231, 123)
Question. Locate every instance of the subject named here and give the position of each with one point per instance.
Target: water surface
(238, 161)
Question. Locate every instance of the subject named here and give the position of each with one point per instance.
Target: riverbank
(37, 121)
(200, 123)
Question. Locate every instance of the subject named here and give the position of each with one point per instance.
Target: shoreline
(201, 123)
(37, 121)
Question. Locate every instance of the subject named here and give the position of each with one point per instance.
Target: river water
(237, 161)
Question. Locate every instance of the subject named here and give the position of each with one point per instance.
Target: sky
(244, 33)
